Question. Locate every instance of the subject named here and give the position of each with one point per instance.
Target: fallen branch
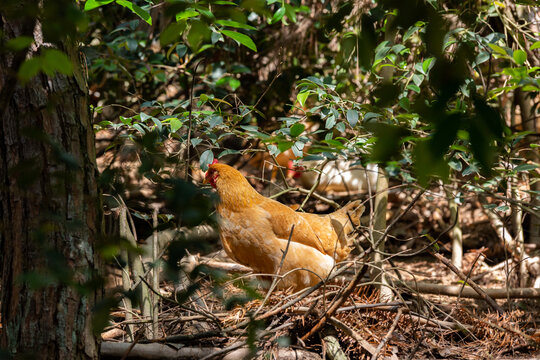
(333, 349)
(156, 351)
(455, 290)
(112, 334)
(225, 266)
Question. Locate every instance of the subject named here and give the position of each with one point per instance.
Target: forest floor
(413, 325)
(434, 314)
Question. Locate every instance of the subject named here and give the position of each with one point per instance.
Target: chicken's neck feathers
(238, 197)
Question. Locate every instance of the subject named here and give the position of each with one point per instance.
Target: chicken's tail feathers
(345, 220)
(352, 212)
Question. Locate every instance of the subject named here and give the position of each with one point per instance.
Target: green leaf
(29, 69)
(171, 33)
(241, 38)
(196, 141)
(497, 49)
(289, 11)
(19, 43)
(418, 79)
(455, 164)
(525, 167)
(481, 58)
(334, 143)
(139, 128)
(235, 24)
(426, 63)
(278, 15)
(410, 32)
(198, 32)
(214, 121)
(382, 50)
(302, 97)
(535, 46)
(284, 145)
(413, 87)
(330, 122)
(520, 57)
(228, 152)
(234, 83)
(206, 159)
(158, 123)
(56, 60)
(205, 12)
(297, 148)
(181, 50)
(352, 117)
(125, 120)
(175, 124)
(92, 4)
(140, 12)
(297, 129)
(186, 14)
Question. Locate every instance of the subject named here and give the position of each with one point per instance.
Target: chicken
(255, 230)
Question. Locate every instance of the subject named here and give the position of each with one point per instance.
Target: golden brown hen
(255, 230)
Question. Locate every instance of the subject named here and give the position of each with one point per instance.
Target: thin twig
(463, 277)
(315, 185)
(388, 335)
(190, 118)
(350, 332)
(276, 279)
(317, 196)
(208, 315)
(396, 219)
(340, 300)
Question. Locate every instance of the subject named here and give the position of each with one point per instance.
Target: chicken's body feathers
(255, 231)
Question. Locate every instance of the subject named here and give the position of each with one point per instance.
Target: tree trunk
(528, 119)
(50, 212)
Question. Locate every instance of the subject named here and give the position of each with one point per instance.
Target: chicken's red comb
(215, 161)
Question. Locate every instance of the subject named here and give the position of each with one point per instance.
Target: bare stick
(463, 277)
(317, 196)
(315, 185)
(456, 290)
(350, 332)
(155, 273)
(387, 336)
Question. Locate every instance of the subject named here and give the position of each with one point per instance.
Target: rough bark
(50, 213)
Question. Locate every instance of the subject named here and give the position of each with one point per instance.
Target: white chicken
(339, 176)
